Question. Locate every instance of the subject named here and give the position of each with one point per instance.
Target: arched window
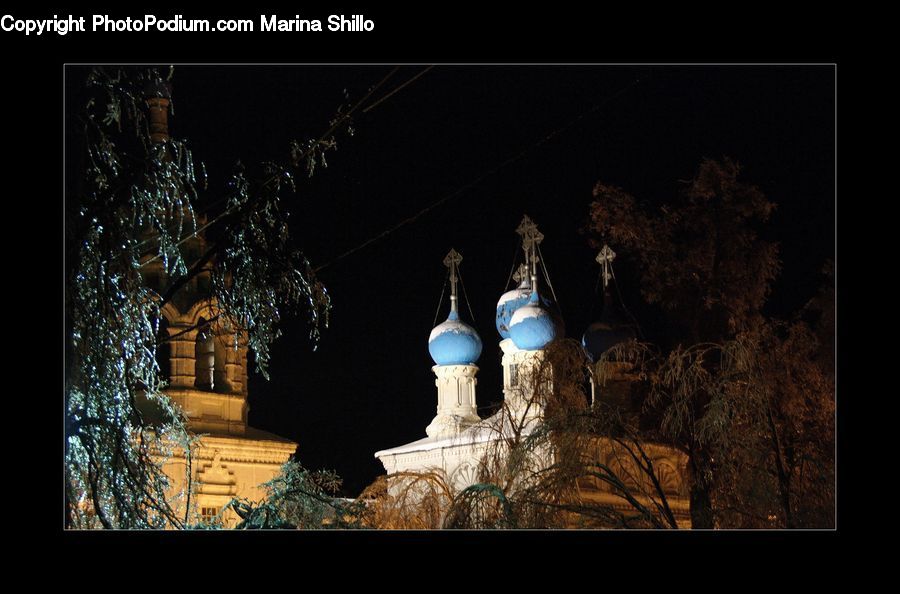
(209, 352)
(205, 357)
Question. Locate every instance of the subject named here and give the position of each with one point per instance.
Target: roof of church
(250, 434)
(487, 430)
(260, 435)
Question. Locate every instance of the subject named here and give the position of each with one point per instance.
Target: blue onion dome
(508, 304)
(608, 331)
(532, 326)
(512, 300)
(453, 342)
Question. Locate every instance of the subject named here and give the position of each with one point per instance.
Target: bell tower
(204, 357)
(455, 347)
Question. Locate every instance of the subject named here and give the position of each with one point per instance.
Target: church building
(205, 365)
(527, 321)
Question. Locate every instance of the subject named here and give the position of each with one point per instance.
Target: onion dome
(608, 331)
(508, 304)
(453, 342)
(533, 320)
(512, 300)
(532, 326)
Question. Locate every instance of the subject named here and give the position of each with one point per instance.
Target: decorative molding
(215, 479)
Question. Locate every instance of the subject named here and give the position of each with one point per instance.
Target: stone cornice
(194, 393)
(238, 450)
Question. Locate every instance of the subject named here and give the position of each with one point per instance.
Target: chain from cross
(605, 258)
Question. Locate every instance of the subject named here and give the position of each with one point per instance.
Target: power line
(482, 177)
(389, 95)
(334, 127)
(347, 115)
(296, 160)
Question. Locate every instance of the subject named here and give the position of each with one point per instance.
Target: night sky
(369, 386)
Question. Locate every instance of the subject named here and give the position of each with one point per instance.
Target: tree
(550, 460)
(738, 404)
(139, 197)
(727, 387)
(408, 500)
(299, 498)
(700, 256)
(783, 473)
(558, 461)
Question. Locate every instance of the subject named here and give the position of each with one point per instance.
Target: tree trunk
(700, 492)
(701, 507)
(784, 477)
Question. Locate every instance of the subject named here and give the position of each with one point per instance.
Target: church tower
(461, 447)
(204, 361)
(457, 438)
(608, 331)
(527, 322)
(455, 347)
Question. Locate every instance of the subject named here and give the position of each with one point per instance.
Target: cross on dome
(522, 273)
(451, 261)
(605, 258)
(453, 342)
(531, 238)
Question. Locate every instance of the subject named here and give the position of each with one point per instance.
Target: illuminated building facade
(208, 381)
(205, 364)
(457, 439)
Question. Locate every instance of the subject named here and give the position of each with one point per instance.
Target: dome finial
(610, 329)
(453, 342)
(604, 259)
(531, 326)
(522, 275)
(526, 276)
(451, 261)
(531, 239)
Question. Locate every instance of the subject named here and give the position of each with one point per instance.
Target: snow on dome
(508, 304)
(532, 327)
(453, 342)
(512, 300)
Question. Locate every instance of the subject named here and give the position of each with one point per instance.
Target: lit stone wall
(233, 459)
(223, 468)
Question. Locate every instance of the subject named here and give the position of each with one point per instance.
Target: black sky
(369, 385)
